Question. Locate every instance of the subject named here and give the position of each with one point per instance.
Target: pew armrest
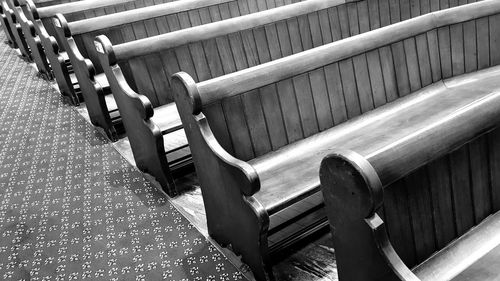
(64, 33)
(185, 92)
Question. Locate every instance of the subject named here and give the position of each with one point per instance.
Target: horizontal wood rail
(97, 23)
(213, 90)
(212, 30)
(72, 7)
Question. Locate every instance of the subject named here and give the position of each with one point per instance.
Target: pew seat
(477, 247)
(290, 173)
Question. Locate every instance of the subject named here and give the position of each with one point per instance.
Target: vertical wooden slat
(376, 78)
(349, 88)
(412, 63)
(470, 48)
(423, 60)
(389, 73)
(481, 194)
(483, 48)
(335, 92)
(305, 103)
(421, 213)
(462, 197)
(362, 81)
(399, 221)
(442, 201)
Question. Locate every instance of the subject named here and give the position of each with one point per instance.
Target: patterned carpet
(72, 208)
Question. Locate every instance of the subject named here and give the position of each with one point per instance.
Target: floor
(72, 208)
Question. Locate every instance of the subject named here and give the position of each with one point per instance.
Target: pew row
(5, 22)
(6, 25)
(258, 136)
(78, 39)
(55, 54)
(418, 188)
(15, 15)
(212, 50)
(27, 14)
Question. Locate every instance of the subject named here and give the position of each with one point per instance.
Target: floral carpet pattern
(72, 208)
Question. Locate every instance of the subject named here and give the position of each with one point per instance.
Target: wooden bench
(77, 38)
(4, 13)
(43, 28)
(416, 196)
(209, 51)
(258, 136)
(16, 19)
(10, 13)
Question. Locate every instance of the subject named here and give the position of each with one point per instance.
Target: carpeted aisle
(72, 208)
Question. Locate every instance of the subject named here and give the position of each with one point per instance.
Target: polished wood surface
(77, 39)
(264, 130)
(148, 75)
(214, 49)
(55, 53)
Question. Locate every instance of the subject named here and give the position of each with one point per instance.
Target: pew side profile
(55, 54)
(6, 25)
(15, 19)
(77, 38)
(214, 49)
(14, 29)
(26, 31)
(258, 170)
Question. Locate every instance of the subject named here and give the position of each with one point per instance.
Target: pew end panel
(18, 14)
(6, 26)
(228, 203)
(59, 63)
(83, 67)
(146, 138)
(33, 41)
(353, 192)
(16, 30)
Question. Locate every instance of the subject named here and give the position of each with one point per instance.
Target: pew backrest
(318, 89)
(43, 17)
(220, 48)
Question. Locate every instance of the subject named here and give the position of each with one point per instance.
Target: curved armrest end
(186, 96)
(141, 103)
(104, 46)
(60, 22)
(353, 178)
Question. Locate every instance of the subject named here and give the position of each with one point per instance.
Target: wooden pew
(258, 136)
(13, 29)
(5, 11)
(78, 39)
(418, 199)
(167, 18)
(205, 52)
(6, 25)
(102, 108)
(25, 33)
(55, 54)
